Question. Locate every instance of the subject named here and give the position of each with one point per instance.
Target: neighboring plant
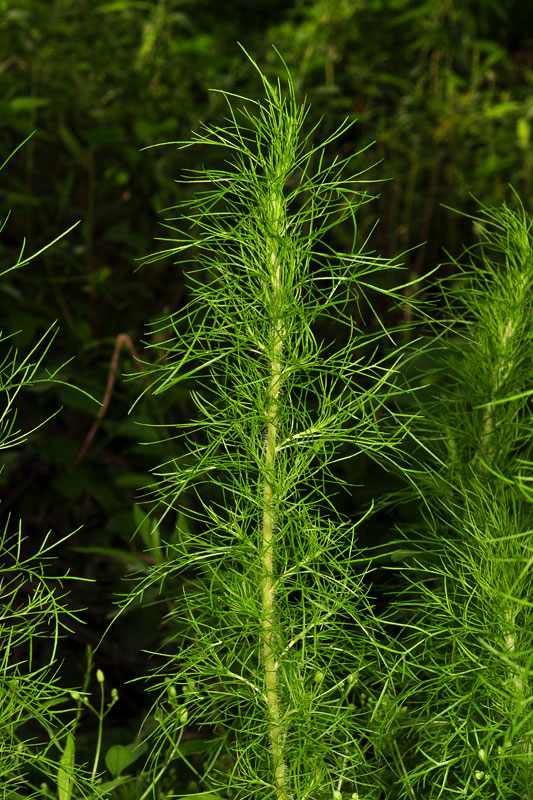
(37, 727)
(463, 600)
(275, 638)
(30, 608)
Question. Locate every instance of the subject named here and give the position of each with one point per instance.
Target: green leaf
(64, 772)
(501, 109)
(113, 552)
(117, 759)
(523, 132)
(28, 103)
(199, 796)
(122, 5)
(133, 480)
(196, 746)
(143, 525)
(103, 789)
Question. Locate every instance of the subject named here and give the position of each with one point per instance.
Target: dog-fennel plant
(464, 600)
(36, 746)
(272, 635)
(39, 717)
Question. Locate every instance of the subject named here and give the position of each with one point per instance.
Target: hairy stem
(521, 687)
(269, 505)
(502, 369)
(503, 365)
(488, 417)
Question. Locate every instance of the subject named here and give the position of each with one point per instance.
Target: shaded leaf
(117, 759)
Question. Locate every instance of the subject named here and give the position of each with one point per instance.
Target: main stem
(269, 502)
(502, 368)
(521, 698)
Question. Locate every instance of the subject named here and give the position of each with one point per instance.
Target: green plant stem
(155, 780)
(513, 305)
(100, 732)
(399, 760)
(503, 364)
(269, 504)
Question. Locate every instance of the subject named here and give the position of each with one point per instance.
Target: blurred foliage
(444, 87)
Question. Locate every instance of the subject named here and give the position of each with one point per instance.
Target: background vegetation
(445, 90)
